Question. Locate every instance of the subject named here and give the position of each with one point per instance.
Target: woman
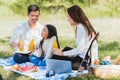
(84, 33)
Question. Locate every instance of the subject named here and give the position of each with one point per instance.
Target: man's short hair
(33, 7)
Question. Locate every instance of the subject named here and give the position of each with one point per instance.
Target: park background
(103, 14)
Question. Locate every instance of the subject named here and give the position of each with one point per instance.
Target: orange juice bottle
(31, 45)
(55, 45)
(21, 45)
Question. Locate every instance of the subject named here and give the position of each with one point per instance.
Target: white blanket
(41, 73)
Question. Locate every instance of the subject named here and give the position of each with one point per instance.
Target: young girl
(84, 33)
(45, 49)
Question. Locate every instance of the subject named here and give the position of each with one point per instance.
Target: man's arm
(13, 44)
(14, 41)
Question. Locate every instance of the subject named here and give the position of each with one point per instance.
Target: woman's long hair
(78, 16)
(52, 31)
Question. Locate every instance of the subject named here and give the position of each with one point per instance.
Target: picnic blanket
(40, 74)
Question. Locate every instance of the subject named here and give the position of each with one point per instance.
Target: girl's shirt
(47, 48)
(83, 42)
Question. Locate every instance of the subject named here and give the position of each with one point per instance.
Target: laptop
(58, 66)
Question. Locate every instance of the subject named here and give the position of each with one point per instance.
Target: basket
(106, 71)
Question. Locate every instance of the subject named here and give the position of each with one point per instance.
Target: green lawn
(109, 41)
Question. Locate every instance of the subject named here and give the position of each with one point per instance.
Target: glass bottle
(55, 45)
(31, 45)
(21, 44)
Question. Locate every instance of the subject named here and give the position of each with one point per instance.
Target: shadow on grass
(5, 40)
(5, 50)
(112, 49)
(109, 46)
(84, 77)
(66, 42)
(15, 76)
(12, 76)
(4, 54)
(92, 77)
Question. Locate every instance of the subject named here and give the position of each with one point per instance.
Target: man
(26, 32)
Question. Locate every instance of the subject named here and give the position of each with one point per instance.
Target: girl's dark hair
(77, 14)
(52, 31)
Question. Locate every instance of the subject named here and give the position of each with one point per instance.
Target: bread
(117, 60)
(16, 67)
(96, 62)
(107, 58)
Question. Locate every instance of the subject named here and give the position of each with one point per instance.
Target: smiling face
(33, 16)
(44, 33)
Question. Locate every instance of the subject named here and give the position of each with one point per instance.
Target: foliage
(103, 8)
(93, 8)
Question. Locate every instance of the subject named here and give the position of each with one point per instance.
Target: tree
(20, 6)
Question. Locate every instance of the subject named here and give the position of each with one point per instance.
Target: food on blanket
(31, 45)
(107, 58)
(29, 68)
(106, 61)
(55, 44)
(21, 45)
(117, 60)
(16, 67)
(96, 62)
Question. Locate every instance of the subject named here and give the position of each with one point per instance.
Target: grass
(109, 41)
(104, 49)
(103, 9)
(112, 49)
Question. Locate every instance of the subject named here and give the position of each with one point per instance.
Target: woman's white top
(47, 48)
(83, 42)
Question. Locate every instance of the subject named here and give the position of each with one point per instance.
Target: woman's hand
(58, 52)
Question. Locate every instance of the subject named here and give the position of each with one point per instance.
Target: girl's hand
(58, 52)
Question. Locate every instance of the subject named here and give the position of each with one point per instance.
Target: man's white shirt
(27, 34)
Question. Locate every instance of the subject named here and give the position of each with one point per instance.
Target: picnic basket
(106, 71)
